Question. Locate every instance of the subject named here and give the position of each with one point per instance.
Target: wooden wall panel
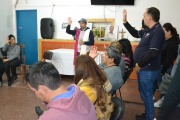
(46, 44)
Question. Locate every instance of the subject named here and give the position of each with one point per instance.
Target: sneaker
(141, 117)
(159, 103)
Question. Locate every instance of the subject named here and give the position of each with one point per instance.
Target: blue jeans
(146, 80)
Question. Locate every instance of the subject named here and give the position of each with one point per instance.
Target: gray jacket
(114, 76)
(12, 51)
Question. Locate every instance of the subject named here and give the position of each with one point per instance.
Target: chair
(23, 61)
(125, 77)
(47, 55)
(119, 109)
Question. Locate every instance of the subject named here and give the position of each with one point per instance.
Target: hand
(5, 60)
(93, 52)
(137, 67)
(7, 41)
(80, 42)
(69, 20)
(104, 46)
(124, 16)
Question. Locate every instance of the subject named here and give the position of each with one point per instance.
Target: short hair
(43, 73)
(111, 26)
(10, 36)
(117, 45)
(113, 52)
(155, 13)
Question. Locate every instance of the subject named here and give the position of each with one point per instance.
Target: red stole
(76, 44)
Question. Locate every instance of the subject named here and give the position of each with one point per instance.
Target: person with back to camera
(92, 80)
(170, 108)
(62, 103)
(12, 60)
(127, 54)
(147, 57)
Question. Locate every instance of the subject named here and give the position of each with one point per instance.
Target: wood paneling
(50, 44)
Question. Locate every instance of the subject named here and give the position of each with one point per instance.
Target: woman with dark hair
(12, 59)
(92, 80)
(127, 54)
(169, 48)
(168, 54)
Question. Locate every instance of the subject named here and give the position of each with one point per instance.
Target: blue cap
(82, 20)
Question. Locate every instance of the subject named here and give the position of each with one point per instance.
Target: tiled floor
(18, 102)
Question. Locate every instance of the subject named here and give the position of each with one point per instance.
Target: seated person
(62, 103)
(1, 67)
(166, 81)
(170, 109)
(127, 54)
(110, 36)
(92, 80)
(12, 60)
(122, 62)
(110, 64)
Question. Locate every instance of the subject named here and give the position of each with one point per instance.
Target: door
(27, 33)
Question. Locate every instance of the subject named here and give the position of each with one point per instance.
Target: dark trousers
(1, 69)
(11, 65)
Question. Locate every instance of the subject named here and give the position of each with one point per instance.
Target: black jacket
(168, 53)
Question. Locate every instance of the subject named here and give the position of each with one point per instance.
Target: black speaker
(47, 28)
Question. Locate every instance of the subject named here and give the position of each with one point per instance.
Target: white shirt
(110, 36)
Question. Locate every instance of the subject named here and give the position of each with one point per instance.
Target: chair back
(47, 55)
(4, 54)
(119, 108)
(126, 76)
(22, 53)
(22, 58)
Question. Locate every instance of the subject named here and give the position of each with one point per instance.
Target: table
(62, 59)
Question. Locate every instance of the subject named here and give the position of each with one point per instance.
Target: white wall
(77, 9)
(6, 16)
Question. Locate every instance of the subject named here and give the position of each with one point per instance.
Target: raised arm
(72, 32)
(131, 29)
(6, 45)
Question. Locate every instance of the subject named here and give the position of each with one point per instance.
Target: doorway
(27, 33)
